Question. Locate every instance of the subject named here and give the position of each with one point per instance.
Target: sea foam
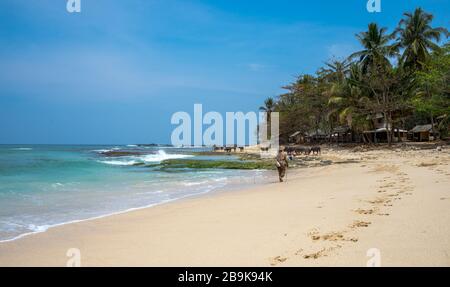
(118, 162)
(162, 155)
(157, 157)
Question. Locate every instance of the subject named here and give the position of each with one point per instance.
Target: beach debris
(425, 164)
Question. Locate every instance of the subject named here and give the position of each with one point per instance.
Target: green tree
(369, 83)
(377, 48)
(332, 84)
(268, 108)
(432, 94)
(350, 103)
(417, 37)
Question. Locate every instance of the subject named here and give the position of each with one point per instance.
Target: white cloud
(255, 67)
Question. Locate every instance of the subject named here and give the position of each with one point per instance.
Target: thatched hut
(422, 133)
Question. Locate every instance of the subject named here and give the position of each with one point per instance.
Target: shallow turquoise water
(43, 186)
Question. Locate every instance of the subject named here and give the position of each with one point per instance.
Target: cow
(316, 150)
(303, 150)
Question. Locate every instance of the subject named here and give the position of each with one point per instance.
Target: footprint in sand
(364, 211)
(321, 253)
(387, 185)
(315, 255)
(377, 201)
(359, 223)
(276, 260)
(332, 236)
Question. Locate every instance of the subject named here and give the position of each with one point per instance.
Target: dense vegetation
(403, 76)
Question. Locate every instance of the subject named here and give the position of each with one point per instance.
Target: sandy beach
(396, 201)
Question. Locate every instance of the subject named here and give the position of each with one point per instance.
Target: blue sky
(117, 71)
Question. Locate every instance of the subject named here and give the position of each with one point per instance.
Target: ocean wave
(34, 229)
(102, 150)
(118, 162)
(150, 192)
(158, 157)
(38, 228)
(220, 179)
(193, 183)
(22, 148)
(162, 155)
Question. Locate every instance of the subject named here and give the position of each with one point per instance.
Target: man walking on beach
(282, 163)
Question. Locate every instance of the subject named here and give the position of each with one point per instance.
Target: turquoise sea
(48, 185)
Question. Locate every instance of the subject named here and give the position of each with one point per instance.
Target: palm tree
(332, 83)
(417, 37)
(377, 49)
(269, 107)
(349, 104)
(336, 71)
(347, 99)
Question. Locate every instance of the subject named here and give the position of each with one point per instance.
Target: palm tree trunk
(432, 127)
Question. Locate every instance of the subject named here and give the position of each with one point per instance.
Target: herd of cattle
(229, 149)
(290, 149)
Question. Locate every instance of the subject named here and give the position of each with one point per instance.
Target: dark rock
(115, 153)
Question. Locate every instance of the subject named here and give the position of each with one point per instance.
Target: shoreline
(100, 217)
(323, 216)
(230, 188)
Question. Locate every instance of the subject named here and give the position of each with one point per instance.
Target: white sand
(397, 202)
